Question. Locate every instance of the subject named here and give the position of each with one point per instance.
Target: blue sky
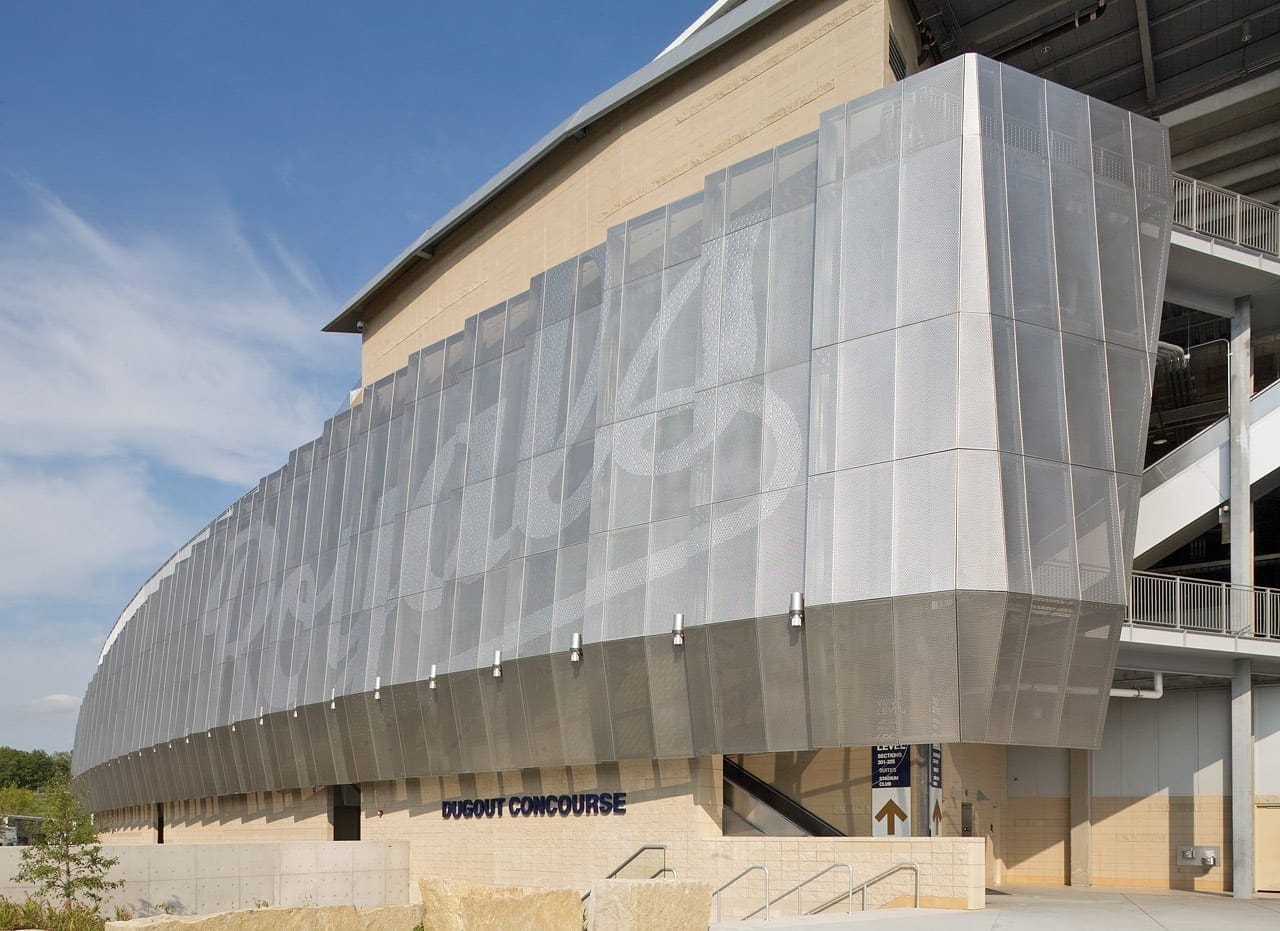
(188, 192)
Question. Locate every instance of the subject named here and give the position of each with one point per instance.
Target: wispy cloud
(131, 363)
(56, 703)
(187, 347)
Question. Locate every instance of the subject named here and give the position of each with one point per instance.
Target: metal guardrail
(747, 871)
(1200, 606)
(1225, 215)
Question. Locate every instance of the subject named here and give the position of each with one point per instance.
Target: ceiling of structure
(1208, 69)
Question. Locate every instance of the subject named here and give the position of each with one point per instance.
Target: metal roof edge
(664, 66)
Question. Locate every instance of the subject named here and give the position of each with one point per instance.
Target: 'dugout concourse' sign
(534, 806)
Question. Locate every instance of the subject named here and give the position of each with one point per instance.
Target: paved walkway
(1038, 908)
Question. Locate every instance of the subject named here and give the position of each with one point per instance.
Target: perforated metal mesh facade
(901, 365)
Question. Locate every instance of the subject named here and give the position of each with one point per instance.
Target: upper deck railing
(1199, 606)
(1225, 215)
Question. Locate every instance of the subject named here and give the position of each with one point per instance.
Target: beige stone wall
(767, 86)
(1135, 841)
(271, 817)
(133, 825)
(1033, 847)
(670, 802)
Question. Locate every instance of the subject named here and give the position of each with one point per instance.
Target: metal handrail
(665, 870)
(798, 889)
(905, 865)
(750, 869)
(631, 859)
(1203, 606)
(1225, 215)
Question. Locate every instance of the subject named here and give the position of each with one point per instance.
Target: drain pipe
(1155, 692)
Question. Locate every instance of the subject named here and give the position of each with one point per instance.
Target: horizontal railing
(1202, 606)
(1225, 215)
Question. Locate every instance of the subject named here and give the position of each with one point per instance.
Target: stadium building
(827, 433)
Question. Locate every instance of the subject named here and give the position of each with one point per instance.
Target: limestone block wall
(293, 815)
(133, 825)
(671, 802)
(199, 879)
(763, 88)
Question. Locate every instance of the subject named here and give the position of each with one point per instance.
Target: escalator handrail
(783, 804)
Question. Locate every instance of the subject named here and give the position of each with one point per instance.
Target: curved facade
(901, 365)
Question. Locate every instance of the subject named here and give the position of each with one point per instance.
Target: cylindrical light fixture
(377, 688)
(431, 680)
(677, 630)
(796, 612)
(497, 664)
(575, 648)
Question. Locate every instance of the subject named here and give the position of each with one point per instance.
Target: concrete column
(1242, 881)
(1239, 392)
(1081, 840)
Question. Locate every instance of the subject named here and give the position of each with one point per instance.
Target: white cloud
(184, 346)
(57, 703)
(128, 361)
(65, 531)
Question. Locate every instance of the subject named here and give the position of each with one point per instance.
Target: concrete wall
(189, 879)
(765, 87)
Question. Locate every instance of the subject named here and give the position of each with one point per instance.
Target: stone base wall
(200, 879)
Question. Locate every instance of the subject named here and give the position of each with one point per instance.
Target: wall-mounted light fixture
(333, 699)
(796, 612)
(575, 648)
(497, 664)
(431, 679)
(261, 718)
(677, 630)
(377, 688)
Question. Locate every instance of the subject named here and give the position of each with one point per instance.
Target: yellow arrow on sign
(891, 811)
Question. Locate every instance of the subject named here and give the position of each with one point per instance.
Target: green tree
(15, 800)
(65, 860)
(33, 769)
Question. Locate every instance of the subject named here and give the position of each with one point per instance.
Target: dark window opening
(345, 812)
(159, 822)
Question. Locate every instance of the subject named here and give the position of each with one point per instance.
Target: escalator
(753, 807)
(1181, 493)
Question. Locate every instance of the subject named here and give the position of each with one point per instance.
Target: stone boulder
(458, 905)
(641, 904)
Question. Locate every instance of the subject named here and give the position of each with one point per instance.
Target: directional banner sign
(935, 790)
(890, 791)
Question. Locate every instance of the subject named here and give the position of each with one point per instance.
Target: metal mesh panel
(1075, 239)
(925, 388)
(981, 550)
(1051, 529)
(1102, 574)
(1087, 404)
(745, 301)
(929, 233)
(790, 289)
(738, 438)
(924, 521)
(784, 447)
(976, 406)
(865, 427)
(924, 646)
(627, 681)
(679, 323)
(1040, 388)
(869, 258)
